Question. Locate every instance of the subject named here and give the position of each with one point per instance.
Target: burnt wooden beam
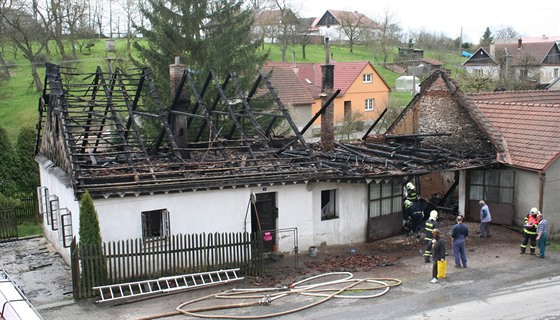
(374, 124)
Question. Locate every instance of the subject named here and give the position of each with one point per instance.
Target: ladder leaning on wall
(134, 290)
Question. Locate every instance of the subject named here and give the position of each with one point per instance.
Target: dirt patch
(396, 257)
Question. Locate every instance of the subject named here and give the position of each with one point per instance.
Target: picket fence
(137, 259)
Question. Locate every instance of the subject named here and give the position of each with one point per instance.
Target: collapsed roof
(109, 133)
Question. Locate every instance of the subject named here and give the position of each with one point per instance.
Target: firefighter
(413, 216)
(429, 226)
(530, 231)
(410, 192)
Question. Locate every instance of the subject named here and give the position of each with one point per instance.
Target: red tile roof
(310, 74)
(532, 96)
(288, 86)
(531, 130)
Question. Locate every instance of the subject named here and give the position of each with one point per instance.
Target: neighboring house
(534, 61)
(211, 162)
(271, 25)
(522, 129)
(292, 93)
(362, 89)
(340, 26)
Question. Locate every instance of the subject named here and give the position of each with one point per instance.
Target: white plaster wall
(526, 194)
(350, 227)
(189, 212)
(551, 199)
(299, 207)
(66, 200)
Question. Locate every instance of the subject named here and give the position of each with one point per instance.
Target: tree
(389, 36)
(506, 32)
(303, 37)
(93, 265)
(353, 25)
(476, 83)
(487, 38)
(27, 33)
(27, 175)
(289, 25)
(206, 35)
(7, 164)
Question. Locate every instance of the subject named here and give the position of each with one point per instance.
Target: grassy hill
(19, 99)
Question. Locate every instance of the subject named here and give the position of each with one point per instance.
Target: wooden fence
(10, 217)
(8, 224)
(136, 259)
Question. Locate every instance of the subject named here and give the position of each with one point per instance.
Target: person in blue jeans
(459, 233)
(542, 234)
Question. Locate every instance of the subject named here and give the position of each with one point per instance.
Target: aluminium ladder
(138, 289)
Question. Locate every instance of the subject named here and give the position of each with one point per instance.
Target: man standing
(459, 233)
(530, 231)
(429, 226)
(485, 219)
(542, 234)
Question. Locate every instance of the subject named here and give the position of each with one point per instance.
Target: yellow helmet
(407, 203)
(410, 186)
(534, 210)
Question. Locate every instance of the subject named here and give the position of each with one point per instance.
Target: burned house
(523, 129)
(212, 161)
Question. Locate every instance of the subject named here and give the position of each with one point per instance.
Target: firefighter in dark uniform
(429, 226)
(411, 193)
(530, 231)
(413, 216)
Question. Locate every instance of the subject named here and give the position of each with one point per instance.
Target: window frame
(329, 210)
(386, 200)
(369, 104)
(164, 224)
(367, 77)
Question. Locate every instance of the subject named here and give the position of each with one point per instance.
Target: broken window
(385, 198)
(328, 205)
(155, 224)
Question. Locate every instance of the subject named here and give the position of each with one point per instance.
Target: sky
(468, 18)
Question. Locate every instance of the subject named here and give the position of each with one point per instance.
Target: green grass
(29, 229)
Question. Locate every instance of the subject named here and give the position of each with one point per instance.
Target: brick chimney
(327, 118)
(178, 123)
(519, 43)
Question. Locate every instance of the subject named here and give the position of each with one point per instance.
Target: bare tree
(288, 26)
(303, 37)
(28, 34)
(389, 34)
(131, 10)
(506, 32)
(354, 26)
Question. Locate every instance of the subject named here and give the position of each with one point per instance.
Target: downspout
(541, 188)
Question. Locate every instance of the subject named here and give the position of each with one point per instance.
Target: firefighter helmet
(410, 186)
(534, 210)
(407, 203)
(433, 215)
